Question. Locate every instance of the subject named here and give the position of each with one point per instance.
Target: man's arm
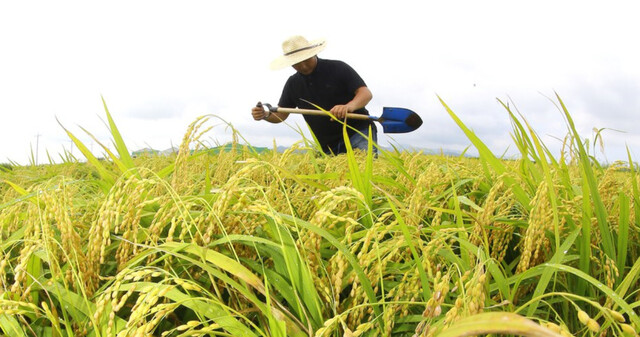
(362, 97)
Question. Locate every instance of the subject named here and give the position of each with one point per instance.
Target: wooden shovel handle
(319, 113)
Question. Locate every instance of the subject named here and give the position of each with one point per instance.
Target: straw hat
(297, 49)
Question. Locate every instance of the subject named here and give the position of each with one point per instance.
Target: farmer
(332, 85)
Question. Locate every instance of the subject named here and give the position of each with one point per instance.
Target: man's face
(306, 67)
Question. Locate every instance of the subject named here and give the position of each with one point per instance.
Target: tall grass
(241, 243)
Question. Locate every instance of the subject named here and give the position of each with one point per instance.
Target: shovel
(393, 120)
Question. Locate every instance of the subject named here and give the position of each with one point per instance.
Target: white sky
(161, 64)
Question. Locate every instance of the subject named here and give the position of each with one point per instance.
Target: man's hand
(258, 112)
(362, 97)
(341, 111)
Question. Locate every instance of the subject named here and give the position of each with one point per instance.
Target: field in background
(246, 243)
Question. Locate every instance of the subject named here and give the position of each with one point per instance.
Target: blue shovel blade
(399, 120)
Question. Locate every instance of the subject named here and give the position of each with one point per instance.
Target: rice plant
(236, 242)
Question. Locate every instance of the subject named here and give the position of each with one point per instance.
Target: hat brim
(289, 60)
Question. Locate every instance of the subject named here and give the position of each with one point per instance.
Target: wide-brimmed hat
(297, 49)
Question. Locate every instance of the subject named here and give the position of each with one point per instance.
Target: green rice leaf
(296, 269)
(488, 158)
(587, 171)
(362, 277)
(125, 155)
(78, 307)
(466, 201)
(110, 153)
(557, 258)
(209, 308)
(107, 177)
(623, 231)
(209, 261)
(424, 280)
(31, 196)
(550, 186)
(500, 323)
(629, 280)
(219, 260)
(608, 292)
(11, 326)
(635, 189)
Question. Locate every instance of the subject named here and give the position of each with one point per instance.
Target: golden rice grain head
(617, 316)
(362, 328)
(387, 317)
(565, 333)
(628, 330)
(188, 325)
(583, 317)
(553, 327)
(593, 325)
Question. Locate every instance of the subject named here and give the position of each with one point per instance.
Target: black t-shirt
(331, 83)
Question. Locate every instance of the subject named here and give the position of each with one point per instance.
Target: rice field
(248, 243)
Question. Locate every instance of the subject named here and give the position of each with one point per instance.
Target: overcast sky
(161, 64)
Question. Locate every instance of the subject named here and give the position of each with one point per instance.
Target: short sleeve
(352, 78)
(286, 98)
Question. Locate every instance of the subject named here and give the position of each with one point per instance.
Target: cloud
(156, 108)
(161, 65)
(610, 102)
